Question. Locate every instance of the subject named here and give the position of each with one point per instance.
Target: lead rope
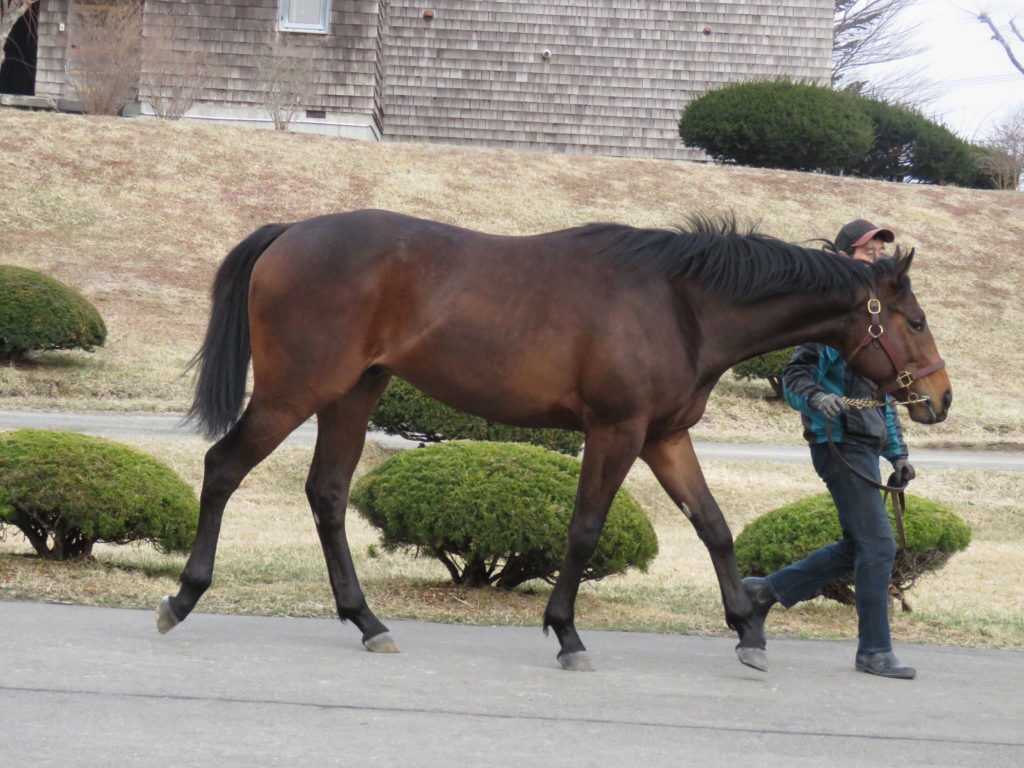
(894, 492)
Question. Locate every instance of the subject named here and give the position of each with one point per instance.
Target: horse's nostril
(947, 399)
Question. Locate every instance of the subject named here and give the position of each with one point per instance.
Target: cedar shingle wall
(618, 74)
(230, 34)
(51, 80)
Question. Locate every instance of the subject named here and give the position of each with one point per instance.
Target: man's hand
(828, 405)
(904, 471)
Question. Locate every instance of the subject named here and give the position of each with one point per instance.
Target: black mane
(743, 267)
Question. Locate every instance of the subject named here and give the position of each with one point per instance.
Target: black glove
(828, 405)
(903, 470)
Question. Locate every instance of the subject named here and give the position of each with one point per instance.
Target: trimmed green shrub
(910, 146)
(787, 534)
(40, 313)
(782, 124)
(896, 128)
(66, 491)
(769, 366)
(405, 411)
(495, 513)
(779, 124)
(940, 157)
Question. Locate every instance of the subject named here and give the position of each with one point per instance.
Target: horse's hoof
(382, 643)
(577, 661)
(753, 657)
(165, 618)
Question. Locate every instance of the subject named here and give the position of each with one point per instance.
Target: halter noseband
(904, 376)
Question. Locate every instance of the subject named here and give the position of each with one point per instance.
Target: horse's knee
(327, 504)
(718, 539)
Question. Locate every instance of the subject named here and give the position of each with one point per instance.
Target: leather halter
(876, 336)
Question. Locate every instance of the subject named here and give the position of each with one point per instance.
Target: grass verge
(270, 563)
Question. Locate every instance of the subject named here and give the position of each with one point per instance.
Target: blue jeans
(867, 547)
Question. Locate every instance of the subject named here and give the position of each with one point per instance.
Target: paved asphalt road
(94, 687)
(97, 687)
(117, 425)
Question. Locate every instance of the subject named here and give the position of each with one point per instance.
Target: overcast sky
(978, 81)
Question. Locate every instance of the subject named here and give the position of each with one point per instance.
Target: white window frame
(285, 23)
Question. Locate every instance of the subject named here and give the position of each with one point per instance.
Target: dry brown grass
(138, 213)
(269, 562)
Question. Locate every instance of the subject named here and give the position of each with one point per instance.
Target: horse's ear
(904, 266)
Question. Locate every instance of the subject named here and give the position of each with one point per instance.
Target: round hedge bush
(40, 313)
(769, 366)
(779, 124)
(787, 534)
(404, 410)
(495, 513)
(66, 491)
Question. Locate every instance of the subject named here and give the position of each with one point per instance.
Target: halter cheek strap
(876, 336)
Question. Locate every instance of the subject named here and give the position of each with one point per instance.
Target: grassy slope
(137, 214)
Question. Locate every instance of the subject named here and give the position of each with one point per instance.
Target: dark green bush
(495, 513)
(779, 124)
(40, 313)
(405, 411)
(892, 153)
(787, 534)
(940, 157)
(768, 366)
(66, 491)
(909, 146)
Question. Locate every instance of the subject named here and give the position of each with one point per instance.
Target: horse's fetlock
(196, 584)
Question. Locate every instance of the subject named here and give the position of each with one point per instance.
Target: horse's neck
(753, 329)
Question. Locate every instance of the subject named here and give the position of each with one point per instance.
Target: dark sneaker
(884, 664)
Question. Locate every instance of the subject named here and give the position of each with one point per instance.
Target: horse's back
(515, 329)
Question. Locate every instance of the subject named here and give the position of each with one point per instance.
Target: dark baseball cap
(858, 232)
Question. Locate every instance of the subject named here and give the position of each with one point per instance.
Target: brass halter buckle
(874, 306)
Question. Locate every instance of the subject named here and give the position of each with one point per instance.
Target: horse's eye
(917, 325)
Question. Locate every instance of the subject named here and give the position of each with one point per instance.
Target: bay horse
(615, 331)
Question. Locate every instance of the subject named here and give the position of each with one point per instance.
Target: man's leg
(866, 526)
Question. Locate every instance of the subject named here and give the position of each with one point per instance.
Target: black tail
(223, 360)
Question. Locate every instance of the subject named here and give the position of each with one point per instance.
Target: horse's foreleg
(258, 432)
(608, 454)
(341, 432)
(675, 464)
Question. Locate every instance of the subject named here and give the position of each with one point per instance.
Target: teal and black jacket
(818, 368)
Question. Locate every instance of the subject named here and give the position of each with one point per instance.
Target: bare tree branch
(867, 32)
(103, 68)
(288, 79)
(1005, 149)
(986, 18)
(10, 12)
(14, 6)
(175, 72)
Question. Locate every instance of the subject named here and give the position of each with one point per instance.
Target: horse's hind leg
(341, 433)
(675, 465)
(259, 431)
(608, 455)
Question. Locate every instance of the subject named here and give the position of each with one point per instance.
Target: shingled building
(599, 76)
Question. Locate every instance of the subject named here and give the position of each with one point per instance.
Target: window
(304, 15)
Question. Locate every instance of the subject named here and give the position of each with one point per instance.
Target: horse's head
(890, 344)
